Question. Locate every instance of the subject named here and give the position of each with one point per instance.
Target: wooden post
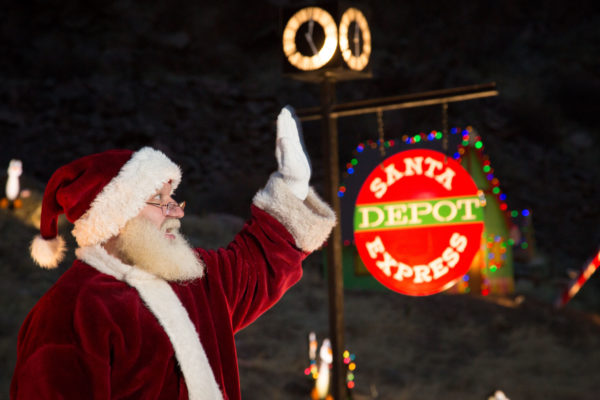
(334, 245)
(329, 112)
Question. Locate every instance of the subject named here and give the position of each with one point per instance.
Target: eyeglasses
(169, 208)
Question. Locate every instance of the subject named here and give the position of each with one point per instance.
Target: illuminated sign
(418, 222)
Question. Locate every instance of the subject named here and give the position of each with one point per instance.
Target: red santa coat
(108, 330)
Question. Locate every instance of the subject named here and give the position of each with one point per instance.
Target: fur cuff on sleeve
(309, 221)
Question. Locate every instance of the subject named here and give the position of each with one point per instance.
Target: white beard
(142, 244)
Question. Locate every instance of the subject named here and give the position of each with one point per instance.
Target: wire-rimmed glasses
(170, 208)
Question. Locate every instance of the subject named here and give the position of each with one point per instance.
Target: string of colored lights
(496, 253)
(496, 244)
(468, 139)
(495, 190)
(349, 361)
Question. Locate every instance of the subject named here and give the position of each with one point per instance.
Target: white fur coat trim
(125, 195)
(310, 221)
(160, 299)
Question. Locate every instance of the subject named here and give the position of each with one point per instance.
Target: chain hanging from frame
(445, 130)
(381, 133)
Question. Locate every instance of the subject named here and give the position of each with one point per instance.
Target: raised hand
(290, 152)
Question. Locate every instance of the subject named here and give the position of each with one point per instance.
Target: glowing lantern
(322, 384)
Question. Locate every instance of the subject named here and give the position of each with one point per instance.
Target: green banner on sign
(410, 214)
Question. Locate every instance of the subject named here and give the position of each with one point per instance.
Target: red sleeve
(256, 269)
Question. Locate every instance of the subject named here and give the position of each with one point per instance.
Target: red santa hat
(99, 193)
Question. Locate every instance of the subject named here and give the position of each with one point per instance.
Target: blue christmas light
(502, 197)
(525, 213)
(350, 171)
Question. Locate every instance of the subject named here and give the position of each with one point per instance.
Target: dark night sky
(203, 82)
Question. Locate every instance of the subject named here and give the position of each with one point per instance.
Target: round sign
(418, 222)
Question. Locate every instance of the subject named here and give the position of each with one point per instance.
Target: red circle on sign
(418, 222)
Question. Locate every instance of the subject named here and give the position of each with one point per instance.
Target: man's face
(155, 214)
(152, 241)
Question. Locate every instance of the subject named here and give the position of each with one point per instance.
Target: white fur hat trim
(125, 195)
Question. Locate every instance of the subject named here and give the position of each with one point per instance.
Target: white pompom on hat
(99, 193)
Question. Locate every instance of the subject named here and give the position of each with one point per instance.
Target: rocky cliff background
(202, 81)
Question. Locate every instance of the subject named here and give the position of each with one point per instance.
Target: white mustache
(170, 223)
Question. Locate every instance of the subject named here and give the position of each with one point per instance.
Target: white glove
(292, 159)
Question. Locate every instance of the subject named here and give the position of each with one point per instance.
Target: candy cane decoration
(578, 282)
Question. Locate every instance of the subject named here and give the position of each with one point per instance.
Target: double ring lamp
(354, 39)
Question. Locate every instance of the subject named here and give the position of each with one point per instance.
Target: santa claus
(140, 314)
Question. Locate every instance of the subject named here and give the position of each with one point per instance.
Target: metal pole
(334, 246)
(404, 101)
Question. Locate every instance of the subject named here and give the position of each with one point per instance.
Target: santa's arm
(309, 221)
(287, 195)
(288, 222)
(265, 258)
